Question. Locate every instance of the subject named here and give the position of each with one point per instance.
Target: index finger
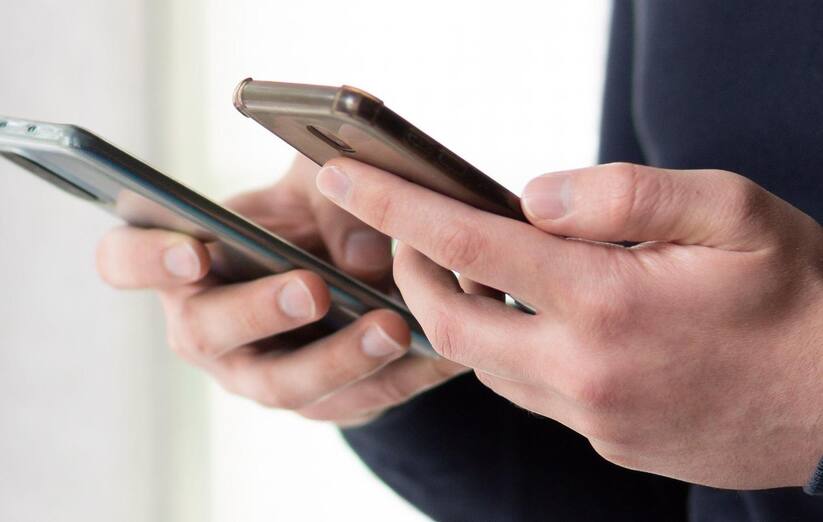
(495, 251)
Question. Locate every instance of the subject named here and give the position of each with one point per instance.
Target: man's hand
(696, 354)
(230, 330)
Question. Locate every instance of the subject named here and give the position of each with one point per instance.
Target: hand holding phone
(242, 333)
(348, 378)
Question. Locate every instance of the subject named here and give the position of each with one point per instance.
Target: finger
(477, 244)
(625, 202)
(293, 380)
(474, 331)
(353, 246)
(130, 257)
(209, 323)
(392, 385)
(475, 288)
(303, 214)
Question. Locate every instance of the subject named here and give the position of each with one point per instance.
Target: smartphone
(88, 167)
(325, 122)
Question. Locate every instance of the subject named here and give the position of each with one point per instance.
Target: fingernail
(367, 248)
(333, 183)
(548, 197)
(377, 343)
(181, 261)
(295, 300)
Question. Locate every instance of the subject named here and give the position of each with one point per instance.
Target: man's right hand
(349, 377)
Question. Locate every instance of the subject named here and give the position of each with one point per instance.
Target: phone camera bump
(330, 139)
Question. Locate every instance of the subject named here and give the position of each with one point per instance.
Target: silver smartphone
(324, 122)
(88, 167)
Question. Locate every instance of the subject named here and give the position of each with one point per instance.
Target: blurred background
(97, 420)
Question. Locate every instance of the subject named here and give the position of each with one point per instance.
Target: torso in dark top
(734, 85)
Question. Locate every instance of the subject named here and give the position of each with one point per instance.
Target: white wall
(87, 413)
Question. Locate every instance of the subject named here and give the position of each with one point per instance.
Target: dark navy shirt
(726, 84)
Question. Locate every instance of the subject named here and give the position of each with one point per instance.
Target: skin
(696, 354)
(230, 330)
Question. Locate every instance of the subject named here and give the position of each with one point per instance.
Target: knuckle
(615, 454)
(592, 394)
(633, 195)
(485, 379)
(249, 316)
(276, 398)
(747, 202)
(622, 195)
(597, 390)
(608, 429)
(458, 246)
(356, 421)
(390, 391)
(382, 212)
(186, 337)
(315, 414)
(446, 337)
(339, 366)
(173, 342)
(229, 385)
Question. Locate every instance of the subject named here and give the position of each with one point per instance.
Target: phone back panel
(330, 122)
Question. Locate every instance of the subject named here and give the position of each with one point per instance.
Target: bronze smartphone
(92, 169)
(327, 122)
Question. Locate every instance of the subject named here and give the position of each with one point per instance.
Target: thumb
(624, 202)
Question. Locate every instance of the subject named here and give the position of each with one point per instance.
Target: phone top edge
(357, 103)
(254, 96)
(239, 104)
(35, 131)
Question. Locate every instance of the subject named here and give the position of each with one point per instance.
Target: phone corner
(356, 103)
(237, 97)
